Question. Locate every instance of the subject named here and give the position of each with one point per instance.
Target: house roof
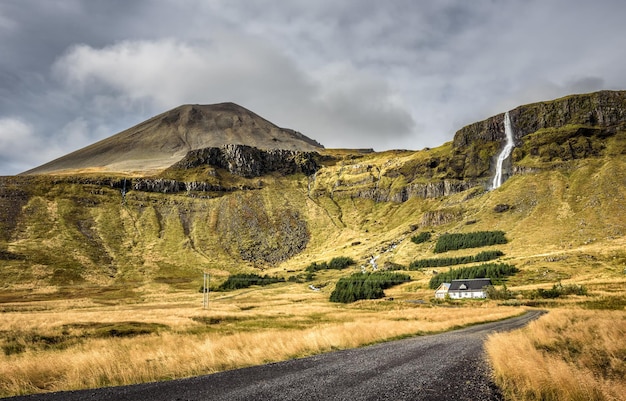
(469, 284)
(444, 286)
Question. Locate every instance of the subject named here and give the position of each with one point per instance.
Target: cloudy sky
(349, 73)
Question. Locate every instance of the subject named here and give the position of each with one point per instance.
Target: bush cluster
(484, 256)
(366, 286)
(421, 237)
(503, 294)
(559, 290)
(495, 271)
(301, 278)
(451, 242)
(338, 263)
(237, 281)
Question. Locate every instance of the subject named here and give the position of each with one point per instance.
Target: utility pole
(124, 192)
(205, 290)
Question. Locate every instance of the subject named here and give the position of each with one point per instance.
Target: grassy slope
(71, 234)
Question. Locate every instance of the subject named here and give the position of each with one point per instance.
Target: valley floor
(64, 344)
(72, 344)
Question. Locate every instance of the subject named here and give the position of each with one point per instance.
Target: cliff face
(569, 128)
(605, 110)
(429, 190)
(248, 161)
(573, 127)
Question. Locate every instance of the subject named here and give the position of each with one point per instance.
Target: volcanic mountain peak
(161, 141)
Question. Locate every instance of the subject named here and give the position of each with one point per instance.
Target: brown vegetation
(568, 354)
(76, 344)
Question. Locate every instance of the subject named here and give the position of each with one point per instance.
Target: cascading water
(506, 152)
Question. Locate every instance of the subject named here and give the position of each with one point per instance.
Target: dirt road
(448, 366)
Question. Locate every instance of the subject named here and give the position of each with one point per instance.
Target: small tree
(421, 237)
(503, 294)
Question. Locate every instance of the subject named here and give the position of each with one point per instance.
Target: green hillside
(564, 200)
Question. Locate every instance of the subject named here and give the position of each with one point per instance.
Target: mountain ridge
(165, 139)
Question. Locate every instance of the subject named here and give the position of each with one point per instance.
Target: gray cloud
(396, 74)
(166, 73)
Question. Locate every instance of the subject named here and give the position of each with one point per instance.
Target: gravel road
(448, 366)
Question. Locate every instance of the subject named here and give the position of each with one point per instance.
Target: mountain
(163, 140)
(236, 208)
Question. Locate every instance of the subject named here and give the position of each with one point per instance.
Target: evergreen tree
(495, 271)
(365, 286)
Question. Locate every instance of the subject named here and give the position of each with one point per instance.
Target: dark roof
(470, 284)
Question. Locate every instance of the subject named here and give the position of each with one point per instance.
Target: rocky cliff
(247, 161)
(604, 110)
(571, 127)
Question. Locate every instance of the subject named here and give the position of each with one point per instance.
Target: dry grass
(236, 331)
(568, 354)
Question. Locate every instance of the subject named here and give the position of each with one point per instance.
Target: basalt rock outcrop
(166, 186)
(248, 161)
(429, 190)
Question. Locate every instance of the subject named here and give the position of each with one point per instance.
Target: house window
(462, 287)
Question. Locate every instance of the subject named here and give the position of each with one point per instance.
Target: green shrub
(495, 271)
(366, 286)
(126, 329)
(484, 256)
(451, 242)
(314, 267)
(503, 294)
(421, 237)
(337, 263)
(606, 303)
(13, 348)
(340, 262)
(237, 281)
(559, 290)
(549, 293)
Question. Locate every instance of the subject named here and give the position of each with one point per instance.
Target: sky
(394, 74)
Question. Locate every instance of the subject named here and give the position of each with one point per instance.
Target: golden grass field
(571, 353)
(71, 345)
(568, 354)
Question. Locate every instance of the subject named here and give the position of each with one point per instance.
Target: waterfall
(506, 152)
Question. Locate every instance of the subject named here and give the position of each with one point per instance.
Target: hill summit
(165, 139)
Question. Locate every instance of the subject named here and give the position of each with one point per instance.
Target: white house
(442, 290)
(469, 288)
